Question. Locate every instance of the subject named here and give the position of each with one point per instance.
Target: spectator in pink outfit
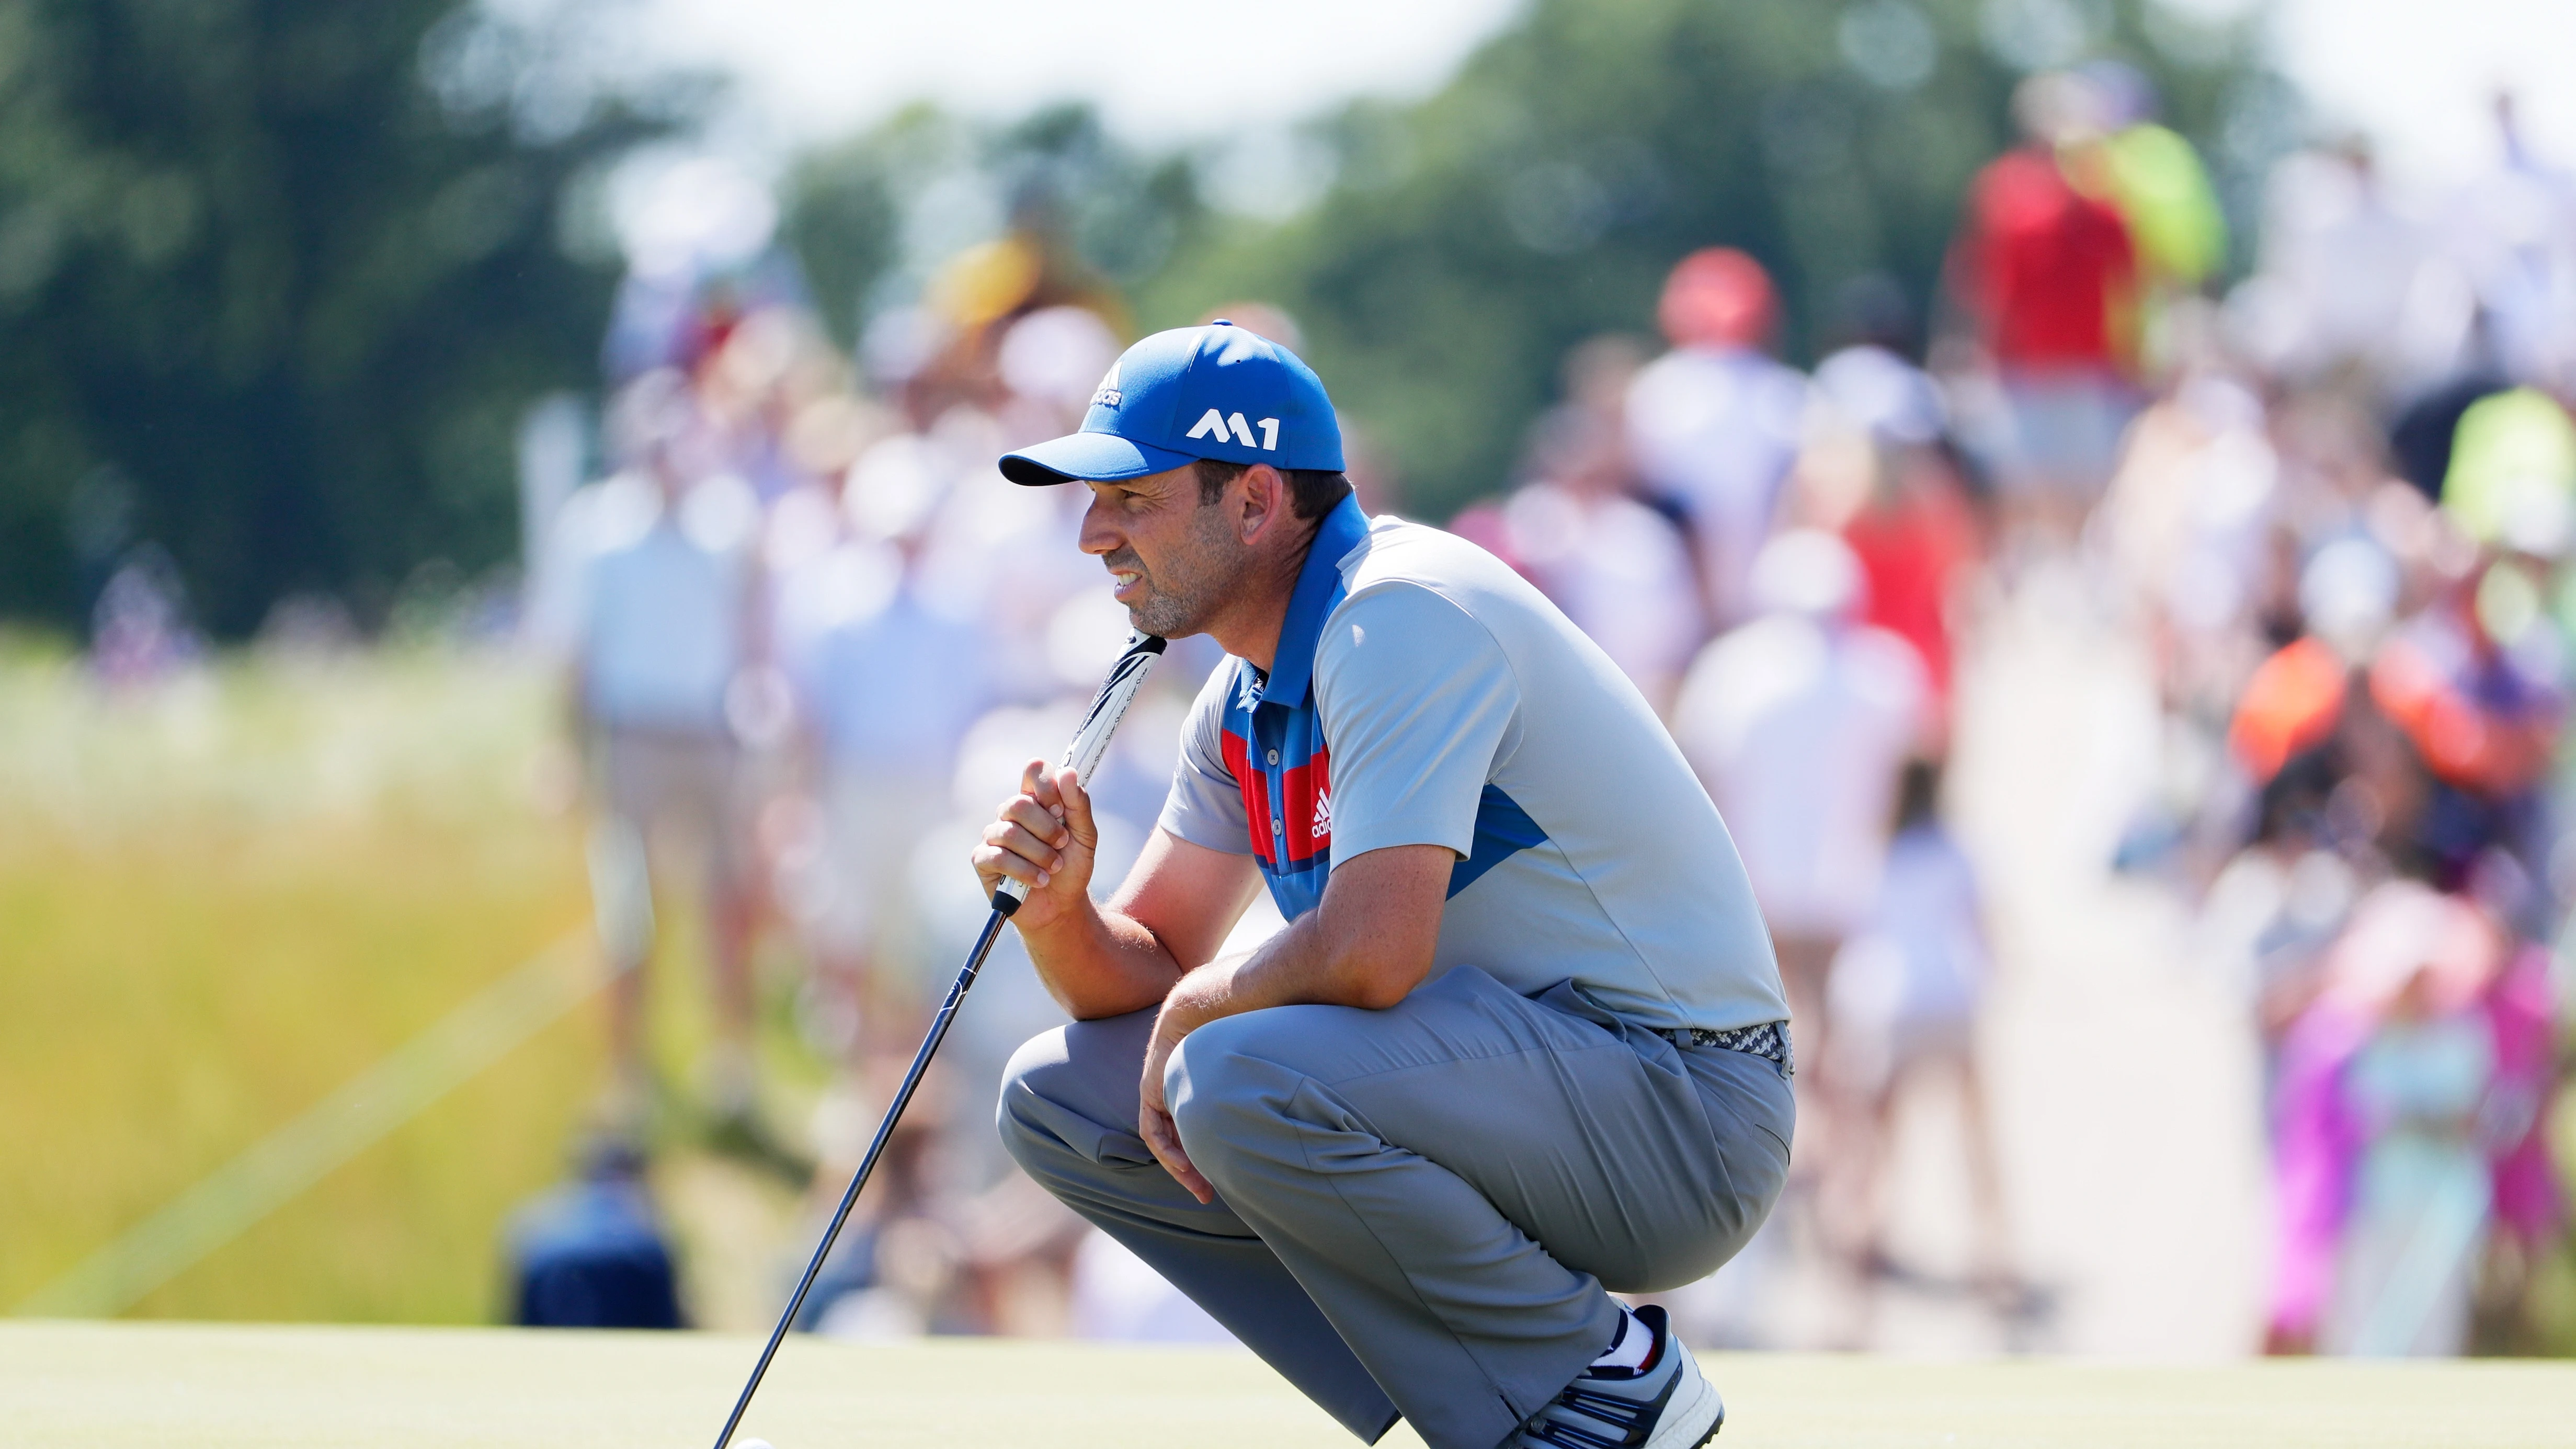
(2412, 1130)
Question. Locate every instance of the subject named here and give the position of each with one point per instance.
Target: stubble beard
(1185, 593)
(1164, 617)
(1170, 609)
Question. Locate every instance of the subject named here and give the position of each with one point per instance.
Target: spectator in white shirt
(660, 634)
(1619, 569)
(1713, 425)
(1799, 723)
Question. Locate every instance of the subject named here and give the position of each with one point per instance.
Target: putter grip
(1092, 740)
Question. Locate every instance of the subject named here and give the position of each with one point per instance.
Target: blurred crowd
(811, 636)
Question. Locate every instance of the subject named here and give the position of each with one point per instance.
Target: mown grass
(223, 896)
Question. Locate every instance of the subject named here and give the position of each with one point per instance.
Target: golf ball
(751, 1444)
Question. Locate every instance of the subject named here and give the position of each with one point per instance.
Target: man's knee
(1232, 1082)
(1024, 1114)
(1070, 1094)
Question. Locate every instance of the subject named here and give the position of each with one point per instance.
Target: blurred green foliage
(1461, 244)
(871, 218)
(1468, 241)
(277, 278)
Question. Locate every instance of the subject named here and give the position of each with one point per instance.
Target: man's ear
(1265, 500)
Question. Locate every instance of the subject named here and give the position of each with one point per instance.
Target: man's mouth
(1121, 580)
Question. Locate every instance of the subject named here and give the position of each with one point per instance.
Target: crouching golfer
(1523, 1040)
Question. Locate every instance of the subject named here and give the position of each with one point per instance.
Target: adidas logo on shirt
(1322, 829)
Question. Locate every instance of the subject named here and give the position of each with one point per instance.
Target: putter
(1090, 742)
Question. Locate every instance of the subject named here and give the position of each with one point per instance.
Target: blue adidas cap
(1194, 392)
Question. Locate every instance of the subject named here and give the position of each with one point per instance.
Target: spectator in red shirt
(1881, 470)
(1913, 539)
(2047, 269)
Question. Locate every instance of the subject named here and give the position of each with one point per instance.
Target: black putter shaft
(867, 1165)
(1089, 743)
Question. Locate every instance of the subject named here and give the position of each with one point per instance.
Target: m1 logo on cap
(1210, 424)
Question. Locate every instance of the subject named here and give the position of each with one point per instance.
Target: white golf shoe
(1664, 1404)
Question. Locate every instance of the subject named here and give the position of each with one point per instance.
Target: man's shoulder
(1435, 599)
(1401, 561)
(1419, 609)
(1398, 621)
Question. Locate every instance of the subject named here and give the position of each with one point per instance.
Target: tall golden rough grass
(222, 896)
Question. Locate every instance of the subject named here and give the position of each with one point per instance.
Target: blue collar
(1342, 530)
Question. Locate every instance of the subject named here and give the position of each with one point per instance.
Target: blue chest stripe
(1503, 829)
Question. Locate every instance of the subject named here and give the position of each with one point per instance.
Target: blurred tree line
(279, 277)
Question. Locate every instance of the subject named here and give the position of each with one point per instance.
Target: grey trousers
(1418, 1209)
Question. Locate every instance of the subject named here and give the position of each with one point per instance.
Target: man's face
(1175, 561)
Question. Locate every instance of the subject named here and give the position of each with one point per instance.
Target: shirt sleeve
(1205, 806)
(1418, 701)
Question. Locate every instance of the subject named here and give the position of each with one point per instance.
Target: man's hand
(1044, 838)
(1198, 998)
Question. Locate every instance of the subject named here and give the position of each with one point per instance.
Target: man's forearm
(1367, 945)
(1296, 967)
(1100, 963)
(1303, 965)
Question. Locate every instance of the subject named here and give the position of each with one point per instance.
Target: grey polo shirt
(1425, 694)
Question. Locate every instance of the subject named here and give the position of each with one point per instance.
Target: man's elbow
(1097, 1001)
(1379, 924)
(1376, 980)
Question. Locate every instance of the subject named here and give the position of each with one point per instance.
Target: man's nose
(1098, 535)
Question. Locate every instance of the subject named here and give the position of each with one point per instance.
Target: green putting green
(214, 1387)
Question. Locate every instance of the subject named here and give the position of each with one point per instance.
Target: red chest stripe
(1256, 795)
